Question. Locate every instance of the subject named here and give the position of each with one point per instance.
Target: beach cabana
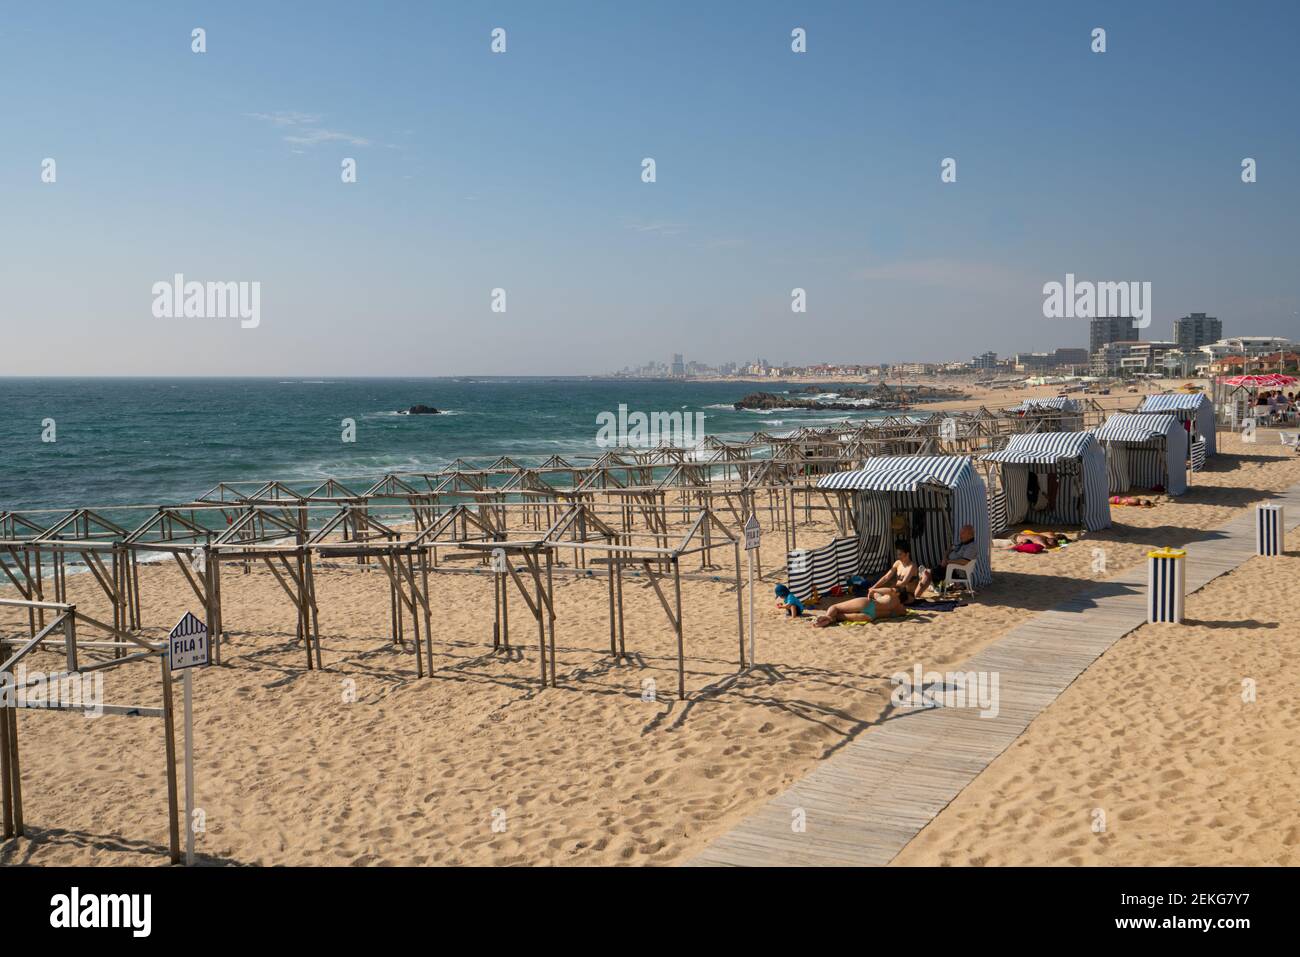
(1145, 450)
(923, 499)
(1069, 412)
(1066, 472)
(1193, 409)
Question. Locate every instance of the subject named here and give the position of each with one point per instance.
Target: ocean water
(161, 441)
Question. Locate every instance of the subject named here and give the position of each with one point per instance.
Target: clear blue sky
(522, 171)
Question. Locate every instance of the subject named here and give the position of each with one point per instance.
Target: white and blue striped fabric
(942, 492)
(820, 569)
(1195, 407)
(1270, 530)
(997, 511)
(1058, 403)
(1061, 402)
(1078, 463)
(1197, 456)
(1144, 450)
(1166, 587)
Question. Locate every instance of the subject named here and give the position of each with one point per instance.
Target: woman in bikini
(883, 603)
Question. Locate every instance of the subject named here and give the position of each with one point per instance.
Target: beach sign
(753, 532)
(187, 645)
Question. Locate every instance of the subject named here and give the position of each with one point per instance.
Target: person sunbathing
(1046, 539)
(885, 603)
(1132, 500)
(903, 574)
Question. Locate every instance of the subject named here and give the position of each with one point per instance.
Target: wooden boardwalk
(863, 805)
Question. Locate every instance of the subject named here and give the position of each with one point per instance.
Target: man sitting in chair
(962, 554)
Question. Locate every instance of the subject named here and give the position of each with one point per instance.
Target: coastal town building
(1065, 359)
(1130, 357)
(1196, 330)
(1104, 331)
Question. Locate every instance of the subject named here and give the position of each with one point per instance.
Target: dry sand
(290, 770)
(1160, 742)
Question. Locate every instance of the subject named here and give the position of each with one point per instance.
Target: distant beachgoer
(1046, 539)
(1132, 500)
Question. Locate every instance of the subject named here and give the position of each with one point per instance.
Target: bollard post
(1166, 585)
(1270, 530)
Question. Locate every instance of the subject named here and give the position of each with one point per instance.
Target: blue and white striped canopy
(1043, 448)
(1136, 427)
(1061, 402)
(1194, 407)
(1174, 401)
(902, 473)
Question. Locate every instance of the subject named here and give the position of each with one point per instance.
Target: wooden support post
(550, 614)
(681, 644)
(740, 608)
(6, 789)
(169, 738)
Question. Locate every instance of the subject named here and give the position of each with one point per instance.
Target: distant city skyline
(501, 221)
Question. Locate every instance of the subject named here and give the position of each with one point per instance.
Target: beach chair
(1290, 438)
(962, 573)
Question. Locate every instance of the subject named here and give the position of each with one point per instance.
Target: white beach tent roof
(1062, 402)
(902, 473)
(1043, 448)
(1136, 427)
(1171, 401)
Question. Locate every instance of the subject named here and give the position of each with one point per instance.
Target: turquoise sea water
(160, 441)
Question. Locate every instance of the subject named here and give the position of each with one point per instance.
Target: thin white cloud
(304, 129)
(659, 228)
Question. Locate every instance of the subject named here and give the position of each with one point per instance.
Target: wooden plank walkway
(862, 806)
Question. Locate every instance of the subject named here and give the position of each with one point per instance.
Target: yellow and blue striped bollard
(1166, 585)
(1270, 530)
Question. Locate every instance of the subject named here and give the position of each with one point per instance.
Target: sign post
(753, 533)
(188, 648)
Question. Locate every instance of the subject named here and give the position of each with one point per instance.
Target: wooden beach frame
(611, 515)
(400, 522)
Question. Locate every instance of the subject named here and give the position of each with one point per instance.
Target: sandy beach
(363, 763)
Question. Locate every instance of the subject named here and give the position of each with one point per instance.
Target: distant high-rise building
(1102, 331)
(1196, 330)
(985, 360)
(679, 367)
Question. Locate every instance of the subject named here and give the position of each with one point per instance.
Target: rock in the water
(421, 410)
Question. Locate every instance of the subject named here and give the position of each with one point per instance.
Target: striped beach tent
(931, 496)
(1193, 407)
(1071, 479)
(1144, 450)
(1061, 403)
(1057, 403)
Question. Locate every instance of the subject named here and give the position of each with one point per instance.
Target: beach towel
(943, 605)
